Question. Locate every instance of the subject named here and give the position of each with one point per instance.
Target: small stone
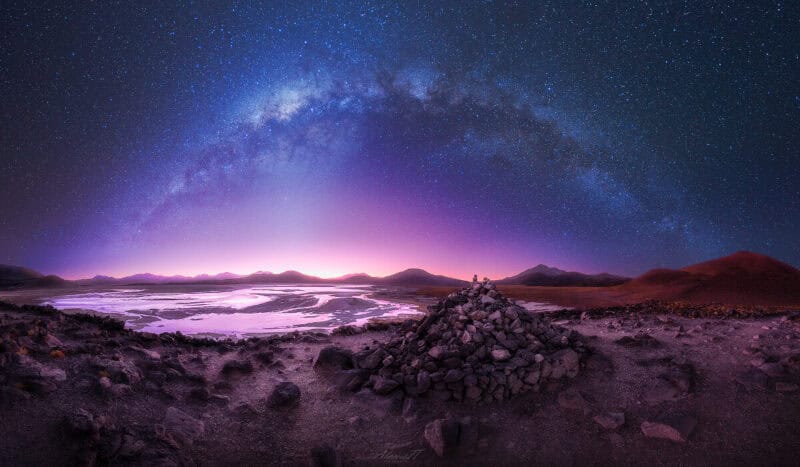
(610, 420)
(409, 411)
(442, 436)
(437, 352)
(384, 386)
(532, 377)
(500, 355)
(675, 428)
(219, 399)
(423, 381)
(466, 338)
(285, 394)
(105, 383)
(372, 360)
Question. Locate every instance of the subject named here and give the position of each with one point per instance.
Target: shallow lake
(237, 311)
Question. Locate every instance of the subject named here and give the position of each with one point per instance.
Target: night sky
(337, 137)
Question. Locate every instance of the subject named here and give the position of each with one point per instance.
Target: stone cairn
(476, 346)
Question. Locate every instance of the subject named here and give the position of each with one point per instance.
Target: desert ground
(78, 389)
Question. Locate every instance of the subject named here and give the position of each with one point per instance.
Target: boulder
(285, 394)
(333, 358)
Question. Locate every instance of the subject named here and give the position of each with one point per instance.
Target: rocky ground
(653, 388)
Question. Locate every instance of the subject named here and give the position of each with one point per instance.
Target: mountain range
(741, 278)
(13, 276)
(543, 275)
(19, 277)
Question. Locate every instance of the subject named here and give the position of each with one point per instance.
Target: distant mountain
(148, 278)
(416, 276)
(543, 275)
(15, 276)
(282, 278)
(358, 278)
(743, 278)
(220, 276)
(12, 276)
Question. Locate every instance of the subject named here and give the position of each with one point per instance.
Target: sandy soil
(740, 378)
(593, 297)
(572, 297)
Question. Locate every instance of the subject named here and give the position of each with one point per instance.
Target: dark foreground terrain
(656, 388)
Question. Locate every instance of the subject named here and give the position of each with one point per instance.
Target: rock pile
(474, 345)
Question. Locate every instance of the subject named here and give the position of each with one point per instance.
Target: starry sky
(335, 137)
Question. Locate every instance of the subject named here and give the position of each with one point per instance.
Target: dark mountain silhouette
(543, 275)
(282, 278)
(409, 277)
(357, 278)
(15, 276)
(148, 278)
(415, 276)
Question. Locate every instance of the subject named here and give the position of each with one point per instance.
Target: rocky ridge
(476, 346)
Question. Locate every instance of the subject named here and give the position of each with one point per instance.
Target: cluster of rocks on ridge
(474, 345)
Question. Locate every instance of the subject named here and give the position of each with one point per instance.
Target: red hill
(743, 278)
